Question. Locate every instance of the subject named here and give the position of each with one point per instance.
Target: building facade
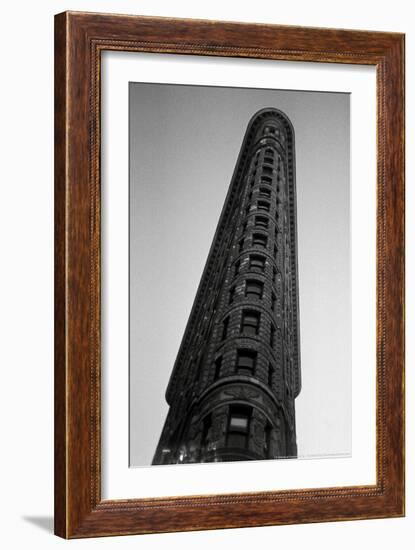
(232, 390)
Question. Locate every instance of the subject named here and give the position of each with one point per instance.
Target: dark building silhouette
(237, 373)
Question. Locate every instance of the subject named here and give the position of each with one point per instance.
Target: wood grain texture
(79, 40)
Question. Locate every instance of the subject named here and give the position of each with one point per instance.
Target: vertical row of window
(264, 192)
(202, 328)
(260, 221)
(269, 156)
(250, 322)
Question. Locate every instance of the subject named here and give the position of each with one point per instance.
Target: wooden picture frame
(79, 40)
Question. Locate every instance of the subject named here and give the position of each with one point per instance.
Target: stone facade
(232, 390)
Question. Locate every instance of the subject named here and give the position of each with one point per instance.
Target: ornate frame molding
(79, 40)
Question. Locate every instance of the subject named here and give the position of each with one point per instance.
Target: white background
(119, 481)
(26, 291)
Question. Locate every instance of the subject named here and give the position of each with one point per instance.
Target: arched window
(254, 289)
(258, 239)
(257, 263)
(263, 205)
(261, 221)
(231, 294)
(250, 323)
(246, 362)
(238, 426)
(265, 192)
(218, 366)
(268, 158)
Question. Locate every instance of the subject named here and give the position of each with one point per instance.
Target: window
(266, 179)
(245, 362)
(270, 375)
(218, 366)
(238, 427)
(267, 439)
(267, 170)
(263, 205)
(265, 192)
(254, 289)
(225, 327)
(273, 301)
(207, 424)
(274, 275)
(257, 263)
(258, 239)
(269, 160)
(261, 221)
(241, 245)
(250, 323)
(231, 294)
(237, 267)
(275, 250)
(272, 337)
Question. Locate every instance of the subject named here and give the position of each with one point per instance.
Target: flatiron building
(237, 373)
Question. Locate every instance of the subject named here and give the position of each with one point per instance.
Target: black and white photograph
(239, 274)
(207, 266)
